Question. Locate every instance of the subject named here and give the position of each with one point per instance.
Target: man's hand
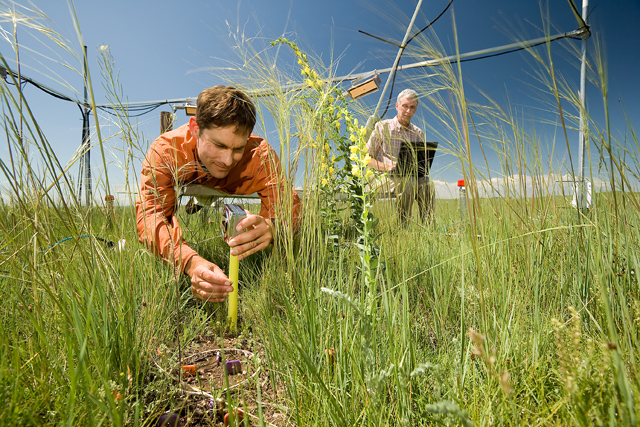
(387, 167)
(258, 236)
(208, 282)
(381, 166)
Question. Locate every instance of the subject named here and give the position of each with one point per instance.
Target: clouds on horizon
(521, 185)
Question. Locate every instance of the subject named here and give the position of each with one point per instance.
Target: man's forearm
(163, 236)
(191, 264)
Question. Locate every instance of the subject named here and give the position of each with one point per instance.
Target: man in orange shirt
(217, 149)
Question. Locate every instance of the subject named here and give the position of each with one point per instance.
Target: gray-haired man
(384, 146)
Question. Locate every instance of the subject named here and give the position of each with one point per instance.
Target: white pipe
(372, 118)
(525, 44)
(583, 107)
(431, 62)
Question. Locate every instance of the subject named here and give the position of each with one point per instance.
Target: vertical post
(85, 137)
(166, 121)
(580, 187)
(84, 172)
(81, 167)
(372, 118)
(85, 165)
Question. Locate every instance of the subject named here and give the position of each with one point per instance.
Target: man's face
(219, 149)
(406, 108)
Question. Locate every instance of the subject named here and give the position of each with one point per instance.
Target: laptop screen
(415, 158)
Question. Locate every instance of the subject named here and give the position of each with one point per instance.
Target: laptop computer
(415, 158)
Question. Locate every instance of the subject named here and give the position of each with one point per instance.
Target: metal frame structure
(182, 103)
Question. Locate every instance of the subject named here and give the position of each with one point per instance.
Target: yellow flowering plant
(341, 159)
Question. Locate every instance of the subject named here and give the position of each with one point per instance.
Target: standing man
(384, 146)
(217, 149)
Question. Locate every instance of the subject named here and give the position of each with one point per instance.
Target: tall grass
(527, 315)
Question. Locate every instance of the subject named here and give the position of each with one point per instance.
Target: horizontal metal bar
(350, 77)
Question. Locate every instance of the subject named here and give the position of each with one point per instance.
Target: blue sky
(166, 50)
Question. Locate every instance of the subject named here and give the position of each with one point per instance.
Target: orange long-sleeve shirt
(172, 161)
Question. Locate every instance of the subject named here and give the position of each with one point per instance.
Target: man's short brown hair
(222, 106)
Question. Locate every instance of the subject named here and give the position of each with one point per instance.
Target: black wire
(591, 11)
(505, 52)
(431, 23)
(393, 82)
(380, 38)
(48, 91)
(139, 110)
(401, 52)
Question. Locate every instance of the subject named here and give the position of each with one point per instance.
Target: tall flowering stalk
(340, 157)
(361, 196)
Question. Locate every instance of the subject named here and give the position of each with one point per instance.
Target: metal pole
(81, 167)
(580, 187)
(372, 119)
(166, 122)
(85, 138)
(429, 63)
(86, 158)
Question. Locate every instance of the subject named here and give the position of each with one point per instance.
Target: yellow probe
(231, 217)
(233, 296)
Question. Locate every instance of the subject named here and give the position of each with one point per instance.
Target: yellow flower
(324, 181)
(331, 170)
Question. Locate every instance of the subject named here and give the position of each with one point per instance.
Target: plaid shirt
(387, 138)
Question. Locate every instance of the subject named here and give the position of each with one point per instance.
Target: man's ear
(193, 127)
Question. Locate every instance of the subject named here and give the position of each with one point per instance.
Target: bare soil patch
(210, 385)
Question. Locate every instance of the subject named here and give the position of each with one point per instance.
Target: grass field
(532, 322)
(526, 313)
